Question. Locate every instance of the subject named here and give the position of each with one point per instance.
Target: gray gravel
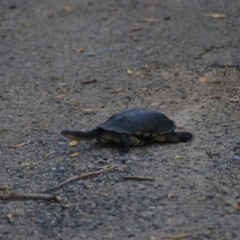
(171, 56)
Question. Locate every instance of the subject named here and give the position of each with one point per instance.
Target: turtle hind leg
(179, 136)
(78, 135)
(125, 142)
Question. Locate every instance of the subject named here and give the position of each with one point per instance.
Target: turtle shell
(139, 121)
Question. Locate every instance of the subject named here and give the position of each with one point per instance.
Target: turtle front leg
(125, 142)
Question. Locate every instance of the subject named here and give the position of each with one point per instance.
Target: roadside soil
(72, 64)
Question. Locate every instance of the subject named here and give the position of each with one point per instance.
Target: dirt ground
(180, 57)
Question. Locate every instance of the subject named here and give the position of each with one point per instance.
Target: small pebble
(62, 144)
(141, 187)
(52, 152)
(151, 207)
(236, 158)
(62, 84)
(62, 169)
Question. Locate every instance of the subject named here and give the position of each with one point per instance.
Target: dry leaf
(69, 205)
(152, 238)
(180, 236)
(74, 100)
(88, 81)
(138, 73)
(19, 145)
(134, 158)
(24, 164)
(74, 154)
(204, 79)
(102, 161)
(149, 20)
(57, 198)
(155, 104)
(56, 79)
(170, 195)
(9, 216)
(178, 156)
(135, 29)
(236, 205)
(181, 128)
(216, 15)
(26, 26)
(68, 9)
(102, 167)
(88, 110)
(129, 71)
(79, 50)
(215, 97)
(234, 100)
(173, 102)
(116, 90)
(5, 187)
(73, 143)
(60, 96)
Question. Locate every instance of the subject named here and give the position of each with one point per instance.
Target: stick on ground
(138, 178)
(29, 196)
(84, 175)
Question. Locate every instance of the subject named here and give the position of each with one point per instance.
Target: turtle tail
(78, 135)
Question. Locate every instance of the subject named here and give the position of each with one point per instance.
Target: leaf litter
(73, 155)
(215, 15)
(116, 90)
(19, 145)
(73, 143)
(89, 81)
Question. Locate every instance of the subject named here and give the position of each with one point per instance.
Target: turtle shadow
(102, 144)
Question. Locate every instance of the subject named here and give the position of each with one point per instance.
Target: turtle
(133, 127)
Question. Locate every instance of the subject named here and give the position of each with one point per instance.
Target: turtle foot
(184, 136)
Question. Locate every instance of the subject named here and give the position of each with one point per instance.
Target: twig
(180, 236)
(138, 178)
(88, 81)
(84, 175)
(28, 196)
